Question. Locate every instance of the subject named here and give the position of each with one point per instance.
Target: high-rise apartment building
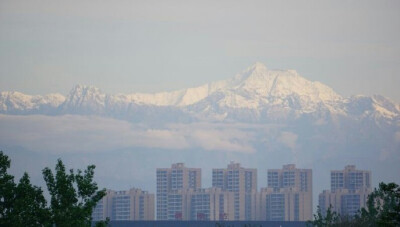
(283, 204)
(350, 178)
(290, 177)
(200, 204)
(134, 204)
(243, 183)
(102, 210)
(288, 196)
(171, 179)
(349, 191)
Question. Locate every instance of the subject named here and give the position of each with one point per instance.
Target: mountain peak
(257, 72)
(84, 99)
(258, 66)
(79, 91)
(256, 90)
(82, 87)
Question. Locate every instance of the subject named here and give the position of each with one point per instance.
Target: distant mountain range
(255, 95)
(260, 117)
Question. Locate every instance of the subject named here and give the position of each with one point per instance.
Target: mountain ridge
(259, 116)
(256, 90)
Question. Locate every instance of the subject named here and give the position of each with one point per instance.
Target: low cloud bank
(77, 134)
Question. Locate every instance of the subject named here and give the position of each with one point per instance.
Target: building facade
(288, 196)
(134, 204)
(169, 180)
(209, 204)
(102, 210)
(349, 191)
(243, 183)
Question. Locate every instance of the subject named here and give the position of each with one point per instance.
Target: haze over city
(132, 86)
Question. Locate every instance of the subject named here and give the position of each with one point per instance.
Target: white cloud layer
(78, 134)
(288, 139)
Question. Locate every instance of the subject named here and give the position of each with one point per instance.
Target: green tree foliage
(104, 223)
(29, 205)
(383, 207)
(330, 219)
(7, 187)
(22, 204)
(73, 196)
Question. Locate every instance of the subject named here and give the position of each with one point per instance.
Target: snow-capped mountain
(19, 103)
(256, 94)
(252, 88)
(84, 100)
(261, 117)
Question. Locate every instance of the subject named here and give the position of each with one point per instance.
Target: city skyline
(320, 130)
(349, 191)
(288, 196)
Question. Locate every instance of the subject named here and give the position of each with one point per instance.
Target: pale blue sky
(149, 46)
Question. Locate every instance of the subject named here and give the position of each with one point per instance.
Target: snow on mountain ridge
(248, 89)
(84, 99)
(257, 86)
(256, 82)
(81, 94)
(254, 90)
(17, 101)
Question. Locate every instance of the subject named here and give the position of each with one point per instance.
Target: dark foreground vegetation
(383, 209)
(73, 197)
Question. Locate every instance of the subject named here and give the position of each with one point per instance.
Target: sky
(150, 46)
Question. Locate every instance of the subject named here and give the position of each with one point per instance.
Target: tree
(104, 223)
(330, 219)
(383, 206)
(73, 196)
(382, 209)
(7, 187)
(29, 205)
(22, 204)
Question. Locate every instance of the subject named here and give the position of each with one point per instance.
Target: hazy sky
(148, 46)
